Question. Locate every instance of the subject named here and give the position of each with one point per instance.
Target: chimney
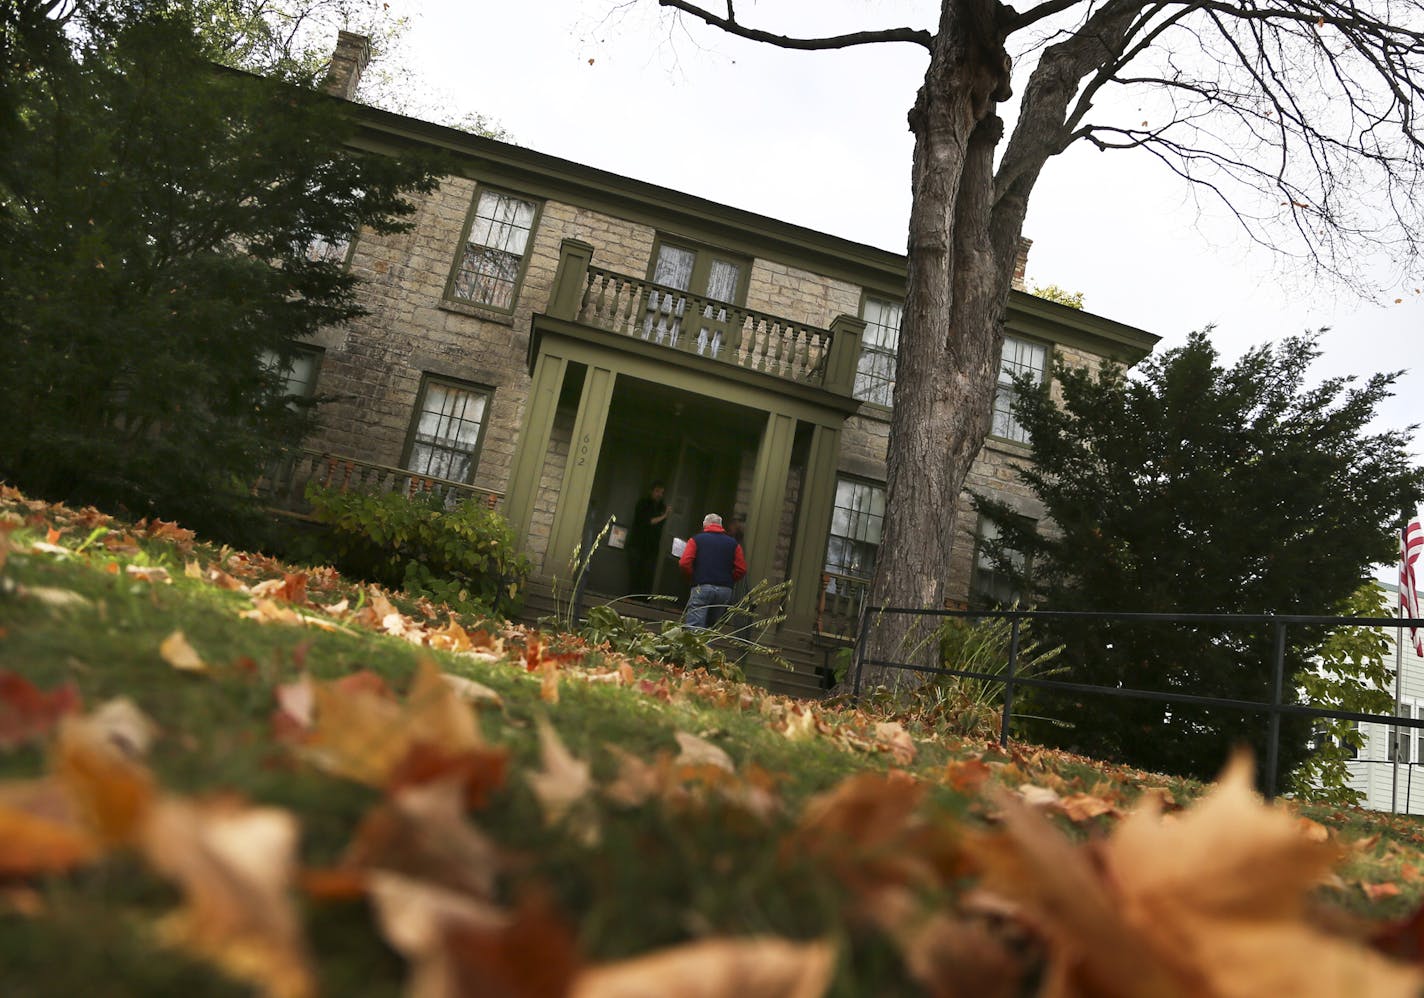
(1021, 263)
(348, 62)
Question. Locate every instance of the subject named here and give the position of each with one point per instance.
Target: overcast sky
(819, 138)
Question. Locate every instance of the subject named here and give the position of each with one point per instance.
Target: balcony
(741, 337)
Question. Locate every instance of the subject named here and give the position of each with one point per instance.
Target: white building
(1390, 770)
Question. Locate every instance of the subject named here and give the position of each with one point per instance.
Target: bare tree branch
(730, 25)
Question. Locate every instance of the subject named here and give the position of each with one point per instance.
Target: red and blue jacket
(713, 558)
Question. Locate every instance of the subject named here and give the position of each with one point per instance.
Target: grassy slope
(660, 875)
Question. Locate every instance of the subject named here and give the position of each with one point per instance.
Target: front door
(706, 482)
(699, 326)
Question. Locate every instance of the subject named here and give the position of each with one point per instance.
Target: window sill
(1007, 446)
(477, 311)
(876, 411)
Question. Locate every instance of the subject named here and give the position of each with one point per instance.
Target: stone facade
(372, 370)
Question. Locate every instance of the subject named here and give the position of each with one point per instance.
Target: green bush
(464, 556)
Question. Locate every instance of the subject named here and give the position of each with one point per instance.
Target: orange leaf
(41, 831)
(1377, 892)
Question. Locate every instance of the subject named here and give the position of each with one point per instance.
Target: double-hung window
(1406, 745)
(856, 523)
(491, 264)
(328, 249)
(875, 371)
(1020, 357)
(446, 430)
(298, 371)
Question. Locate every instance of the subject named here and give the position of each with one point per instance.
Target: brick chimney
(1021, 263)
(348, 62)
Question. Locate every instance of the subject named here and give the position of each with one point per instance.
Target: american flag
(1411, 553)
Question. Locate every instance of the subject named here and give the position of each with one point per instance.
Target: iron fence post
(859, 650)
(1009, 682)
(1273, 745)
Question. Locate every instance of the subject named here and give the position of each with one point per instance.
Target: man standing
(645, 539)
(713, 560)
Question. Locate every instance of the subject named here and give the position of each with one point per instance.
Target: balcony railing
(285, 487)
(676, 319)
(742, 336)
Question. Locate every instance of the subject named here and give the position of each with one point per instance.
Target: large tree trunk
(951, 334)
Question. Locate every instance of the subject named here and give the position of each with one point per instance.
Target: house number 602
(583, 449)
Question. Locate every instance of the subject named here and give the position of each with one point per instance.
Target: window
(856, 522)
(706, 273)
(1019, 357)
(445, 438)
(298, 371)
(994, 582)
(875, 371)
(1401, 739)
(323, 249)
(492, 263)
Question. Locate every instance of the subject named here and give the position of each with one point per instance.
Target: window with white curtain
(448, 423)
(492, 263)
(875, 370)
(1019, 357)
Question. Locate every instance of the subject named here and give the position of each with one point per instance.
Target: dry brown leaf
(716, 968)
(28, 712)
(1085, 807)
(421, 832)
(235, 865)
(121, 724)
(177, 652)
(111, 790)
(891, 736)
(637, 781)
(1378, 892)
(472, 692)
(967, 775)
(699, 752)
(149, 573)
(41, 830)
(563, 783)
(1213, 902)
(459, 947)
(549, 681)
(1040, 797)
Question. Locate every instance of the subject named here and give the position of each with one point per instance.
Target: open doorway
(699, 447)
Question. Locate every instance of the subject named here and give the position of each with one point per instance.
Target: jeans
(705, 605)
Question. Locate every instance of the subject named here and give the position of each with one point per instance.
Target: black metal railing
(1275, 708)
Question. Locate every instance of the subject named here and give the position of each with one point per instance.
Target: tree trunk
(951, 334)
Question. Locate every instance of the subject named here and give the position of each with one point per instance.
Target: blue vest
(716, 553)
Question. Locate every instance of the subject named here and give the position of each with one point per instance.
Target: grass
(660, 874)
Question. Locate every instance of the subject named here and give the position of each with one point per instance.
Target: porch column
(768, 499)
(533, 446)
(813, 524)
(578, 472)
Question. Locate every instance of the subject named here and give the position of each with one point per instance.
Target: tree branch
(728, 24)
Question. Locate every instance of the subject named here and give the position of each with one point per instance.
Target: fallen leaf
(699, 752)
(27, 712)
(177, 652)
(112, 791)
(473, 692)
(1378, 892)
(149, 573)
(41, 830)
(716, 968)
(891, 736)
(563, 781)
(235, 865)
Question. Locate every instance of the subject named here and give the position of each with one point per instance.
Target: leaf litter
(1220, 897)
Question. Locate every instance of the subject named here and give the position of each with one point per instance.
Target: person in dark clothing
(644, 539)
(714, 561)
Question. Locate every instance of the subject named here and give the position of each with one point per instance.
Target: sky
(819, 139)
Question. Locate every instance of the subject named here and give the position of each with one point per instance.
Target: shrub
(464, 556)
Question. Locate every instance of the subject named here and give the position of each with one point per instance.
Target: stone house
(556, 337)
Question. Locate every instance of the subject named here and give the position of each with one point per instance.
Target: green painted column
(813, 524)
(584, 449)
(768, 494)
(533, 446)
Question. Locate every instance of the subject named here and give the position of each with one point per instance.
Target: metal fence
(1012, 681)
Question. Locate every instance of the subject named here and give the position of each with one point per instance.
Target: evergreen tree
(156, 215)
(1195, 487)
